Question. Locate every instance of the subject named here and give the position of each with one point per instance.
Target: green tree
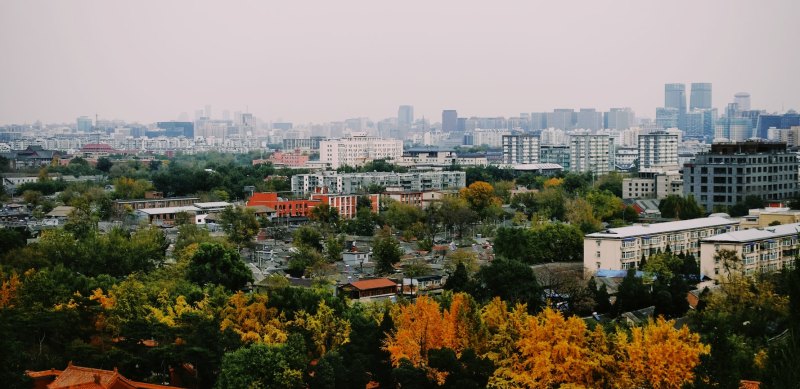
(456, 213)
(611, 182)
(213, 263)
(240, 224)
(386, 251)
(363, 224)
(325, 215)
(604, 204)
(103, 164)
(510, 280)
(459, 280)
(303, 259)
(308, 236)
(556, 242)
(334, 246)
(581, 214)
(632, 294)
(402, 216)
(677, 207)
(263, 366)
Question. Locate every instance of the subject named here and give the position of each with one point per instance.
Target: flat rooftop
(661, 228)
(756, 234)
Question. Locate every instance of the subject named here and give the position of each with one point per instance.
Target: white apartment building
(358, 149)
(759, 250)
(520, 149)
(489, 137)
(658, 152)
(351, 183)
(653, 186)
(591, 153)
(622, 248)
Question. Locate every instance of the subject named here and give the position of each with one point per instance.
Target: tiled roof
(77, 377)
(373, 284)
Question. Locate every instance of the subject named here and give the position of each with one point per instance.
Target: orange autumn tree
(657, 355)
(480, 195)
(423, 326)
(9, 286)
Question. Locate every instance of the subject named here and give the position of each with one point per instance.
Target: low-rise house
(356, 257)
(423, 284)
(263, 211)
(58, 215)
(374, 289)
(212, 207)
(155, 202)
(165, 216)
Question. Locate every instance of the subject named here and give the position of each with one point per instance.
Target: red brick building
(345, 204)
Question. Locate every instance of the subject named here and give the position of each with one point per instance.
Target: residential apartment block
(520, 149)
(658, 152)
(652, 186)
(758, 250)
(622, 248)
(555, 154)
(358, 149)
(732, 171)
(591, 153)
(350, 183)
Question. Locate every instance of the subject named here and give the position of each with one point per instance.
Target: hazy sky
(319, 61)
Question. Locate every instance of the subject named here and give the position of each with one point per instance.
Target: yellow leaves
(8, 289)
(327, 331)
(250, 318)
(71, 304)
(657, 355)
(551, 350)
(479, 195)
(105, 301)
(169, 314)
(553, 182)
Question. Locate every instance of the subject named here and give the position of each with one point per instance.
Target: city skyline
(296, 63)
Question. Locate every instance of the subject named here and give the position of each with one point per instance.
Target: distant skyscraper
(589, 119)
(562, 118)
(208, 111)
(176, 129)
(675, 97)
(667, 117)
(405, 118)
(538, 121)
(449, 120)
(84, 124)
(734, 128)
(620, 118)
(742, 99)
(695, 123)
(701, 96)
